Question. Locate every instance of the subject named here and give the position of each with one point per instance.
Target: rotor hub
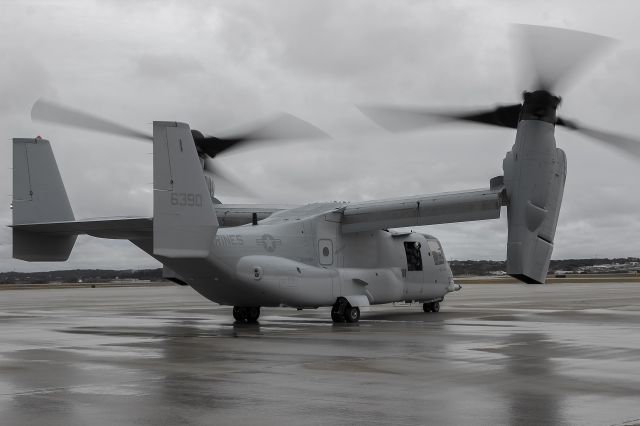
(539, 105)
(198, 139)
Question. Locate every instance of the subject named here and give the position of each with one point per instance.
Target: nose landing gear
(431, 307)
(248, 314)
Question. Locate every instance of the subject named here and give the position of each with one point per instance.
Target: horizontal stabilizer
(126, 228)
(141, 228)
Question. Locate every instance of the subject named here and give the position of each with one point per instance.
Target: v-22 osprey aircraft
(342, 255)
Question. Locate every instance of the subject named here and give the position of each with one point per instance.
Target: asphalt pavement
(508, 354)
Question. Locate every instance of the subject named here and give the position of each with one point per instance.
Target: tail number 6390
(186, 199)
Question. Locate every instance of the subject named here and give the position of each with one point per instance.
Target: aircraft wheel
(339, 309)
(352, 313)
(253, 313)
(337, 317)
(435, 307)
(427, 307)
(239, 314)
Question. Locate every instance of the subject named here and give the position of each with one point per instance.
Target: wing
(448, 207)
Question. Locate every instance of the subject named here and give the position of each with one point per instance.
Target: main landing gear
(343, 311)
(431, 307)
(246, 313)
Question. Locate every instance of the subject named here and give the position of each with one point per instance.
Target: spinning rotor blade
(553, 55)
(51, 112)
(502, 116)
(222, 179)
(283, 127)
(396, 119)
(624, 143)
(401, 119)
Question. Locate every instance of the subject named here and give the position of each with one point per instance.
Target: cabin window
(436, 251)
(414, 258)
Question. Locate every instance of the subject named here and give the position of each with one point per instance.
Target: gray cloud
(23, 78)
(167, 67)
(217, 65)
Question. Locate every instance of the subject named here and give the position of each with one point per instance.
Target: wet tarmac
(495, 354)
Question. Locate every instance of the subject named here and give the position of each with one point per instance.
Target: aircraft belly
(380, 285)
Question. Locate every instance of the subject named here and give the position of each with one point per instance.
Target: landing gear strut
(343, 311)
(246, 313)
(431, 307)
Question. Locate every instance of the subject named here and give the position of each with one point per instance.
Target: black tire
(427, 307)
(239, 314)
(435, 307)
(336, 317)
(352, 314)
(253, 313)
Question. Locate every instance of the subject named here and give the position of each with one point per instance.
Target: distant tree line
(80, 275)
(487, 267)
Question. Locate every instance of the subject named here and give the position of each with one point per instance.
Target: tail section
(184, 219)
(38, 196)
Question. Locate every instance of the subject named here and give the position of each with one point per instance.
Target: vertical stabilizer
(184, 220)
(39, 196)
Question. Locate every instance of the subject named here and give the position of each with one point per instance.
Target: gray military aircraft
(343, 255)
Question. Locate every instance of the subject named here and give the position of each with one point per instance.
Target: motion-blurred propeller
(624, 143)
(399, 119)
(282, 127)
(51, 112)
(552, 57)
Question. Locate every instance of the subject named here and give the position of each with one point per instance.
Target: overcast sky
(220, 64)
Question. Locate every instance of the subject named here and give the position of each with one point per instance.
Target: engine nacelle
(534, 176)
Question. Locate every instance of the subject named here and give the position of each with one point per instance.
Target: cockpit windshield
(436, 251)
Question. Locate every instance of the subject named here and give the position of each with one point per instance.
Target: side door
(327, 245)
(415, 268)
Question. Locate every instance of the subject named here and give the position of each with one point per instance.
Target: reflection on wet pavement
(495, 354)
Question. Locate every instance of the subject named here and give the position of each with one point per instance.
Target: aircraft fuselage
(308, 262)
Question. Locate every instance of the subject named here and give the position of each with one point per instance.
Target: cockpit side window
(414, 258)
(436, 251)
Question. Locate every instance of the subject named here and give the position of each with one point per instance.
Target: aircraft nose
(453, 287)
